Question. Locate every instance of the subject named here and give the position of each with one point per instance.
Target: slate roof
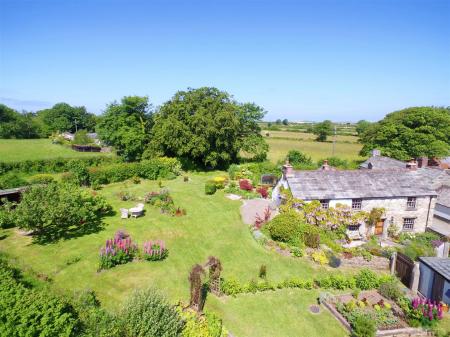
(383, 163)
(353, 184)
(435, 177)
(439, 265)
(444, 196)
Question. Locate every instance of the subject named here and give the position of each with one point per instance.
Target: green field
(34, 149)
(278, 148)
(212, 226)
(306, 136)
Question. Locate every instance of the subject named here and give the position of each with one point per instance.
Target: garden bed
(388, 315)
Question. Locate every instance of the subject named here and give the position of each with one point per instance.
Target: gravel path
(250, 208)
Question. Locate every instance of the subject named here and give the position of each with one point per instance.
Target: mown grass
(212, 226)
(35, 149)
(278, 148)
(306, 136)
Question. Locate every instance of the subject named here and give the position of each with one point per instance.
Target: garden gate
(404, 268)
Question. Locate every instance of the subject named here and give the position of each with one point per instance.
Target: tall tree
(127, 126)
(208, 127)
(410, 133)
(362, 126)
(64, 117)
(323, 130)
(17, 125)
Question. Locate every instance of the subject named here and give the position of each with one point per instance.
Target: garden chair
(123, 213)
(137, 211)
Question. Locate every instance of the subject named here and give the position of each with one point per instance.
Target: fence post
(393, 262)
(414, 286)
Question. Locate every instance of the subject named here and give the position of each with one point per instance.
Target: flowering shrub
(119, 250)
(164, 201)
(425, 311)
(155, 250)
(219, 182)
(246, 185)
(263, 192)
(320, 257)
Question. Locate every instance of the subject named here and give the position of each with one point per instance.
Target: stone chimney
(376, 153)
(411, 165)
(325, 166)
(288, 170)
(422, 162)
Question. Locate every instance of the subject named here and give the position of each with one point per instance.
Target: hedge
(233, 287)
(28, 312)
(56, 165)
(152, 169)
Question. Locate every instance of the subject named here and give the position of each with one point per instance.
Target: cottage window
(408, 224)
(411, 203)
(356, 203)
(325, 204)
(353, 228)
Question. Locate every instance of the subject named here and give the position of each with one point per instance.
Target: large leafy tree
(126, 126)
(362, 126)
(17, 125)
(323, 130)
(64, 117)
(410, 133)
(208, 127)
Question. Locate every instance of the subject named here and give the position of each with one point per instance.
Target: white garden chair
(123, 213)
(137, 211)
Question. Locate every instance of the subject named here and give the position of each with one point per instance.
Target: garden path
(251, 208)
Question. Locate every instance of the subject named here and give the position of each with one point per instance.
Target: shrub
(79, 172)
(147, 313)
(41, 179)
(263, 271)
(136, 180)
(366, 279)
(299, 160)
(207, 325)
(28, 312)
(219, 182)
(263, 192)
(246, 185)
(81, 138)
(296, 251)
(231, 287)
(285, 226)
(320, 257)
(390, 290)
(7, 213)
(11, 180)
(312, 240)
(364, 327)
(119, 250)
(155, 250)
(210, 187)
(57, 211)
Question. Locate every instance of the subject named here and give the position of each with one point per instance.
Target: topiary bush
(147, 313)
(285, 226)
(210, 187)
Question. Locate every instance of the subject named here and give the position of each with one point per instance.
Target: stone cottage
(408, 198)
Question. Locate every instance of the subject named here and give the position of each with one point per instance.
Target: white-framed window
(408, 224)
(353, 228)
(411, 203)
(325, 204)
(356, 203)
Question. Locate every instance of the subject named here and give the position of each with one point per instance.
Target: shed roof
(439, 264)
(382, 163)
(350, 184)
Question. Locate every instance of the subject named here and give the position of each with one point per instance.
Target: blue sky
(303, 60)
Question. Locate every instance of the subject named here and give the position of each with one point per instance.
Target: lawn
(212, 226)
(278, 148)
(34, 149)
(306, 136)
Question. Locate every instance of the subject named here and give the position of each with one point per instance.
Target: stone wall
(377, 263)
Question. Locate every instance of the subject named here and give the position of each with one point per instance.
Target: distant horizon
(301, 60)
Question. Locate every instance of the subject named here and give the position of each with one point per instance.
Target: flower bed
(155, 250)
(373, 313)
(164, 201)
(117, 251)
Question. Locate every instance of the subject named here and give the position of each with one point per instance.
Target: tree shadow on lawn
(53, 235)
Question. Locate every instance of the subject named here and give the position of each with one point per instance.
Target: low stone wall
(377, 262)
